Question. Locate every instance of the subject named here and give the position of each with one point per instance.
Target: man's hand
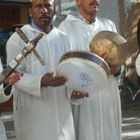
(78, 95)
(13, 78)
(103, 55)
(50, 80)
(113, 70)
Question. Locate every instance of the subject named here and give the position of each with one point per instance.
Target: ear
(77, 2)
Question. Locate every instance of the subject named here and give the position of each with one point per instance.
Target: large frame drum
(86, 72)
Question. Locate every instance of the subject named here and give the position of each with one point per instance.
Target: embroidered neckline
(85, 20)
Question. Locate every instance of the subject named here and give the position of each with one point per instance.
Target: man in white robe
(5, 94)
(41, 107)
(99, 116)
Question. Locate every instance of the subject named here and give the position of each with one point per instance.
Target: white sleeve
(30, 84)
(3, 96)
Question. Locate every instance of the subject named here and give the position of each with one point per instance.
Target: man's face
(88, 6)
(42, 12)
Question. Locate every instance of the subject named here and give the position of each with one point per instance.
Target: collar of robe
(85, 20)
(38, 28)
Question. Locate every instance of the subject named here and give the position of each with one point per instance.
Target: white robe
(99, 116)
(3, 98)
(41, 113)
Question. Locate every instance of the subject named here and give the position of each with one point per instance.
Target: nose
(44, 10)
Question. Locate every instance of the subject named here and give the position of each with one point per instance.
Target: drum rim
(87, 56)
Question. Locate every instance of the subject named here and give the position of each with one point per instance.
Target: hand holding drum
(89, 71)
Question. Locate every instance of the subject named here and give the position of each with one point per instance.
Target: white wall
(110, 9)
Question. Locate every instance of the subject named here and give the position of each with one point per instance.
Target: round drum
(86, 72)
(113, 44)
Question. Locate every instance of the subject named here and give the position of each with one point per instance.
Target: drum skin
(113, 44)
(86, 72)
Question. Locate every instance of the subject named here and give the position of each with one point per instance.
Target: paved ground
(11, 138)
(130, 124)
(7, 118)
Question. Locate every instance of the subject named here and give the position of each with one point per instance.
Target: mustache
(44, 16)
